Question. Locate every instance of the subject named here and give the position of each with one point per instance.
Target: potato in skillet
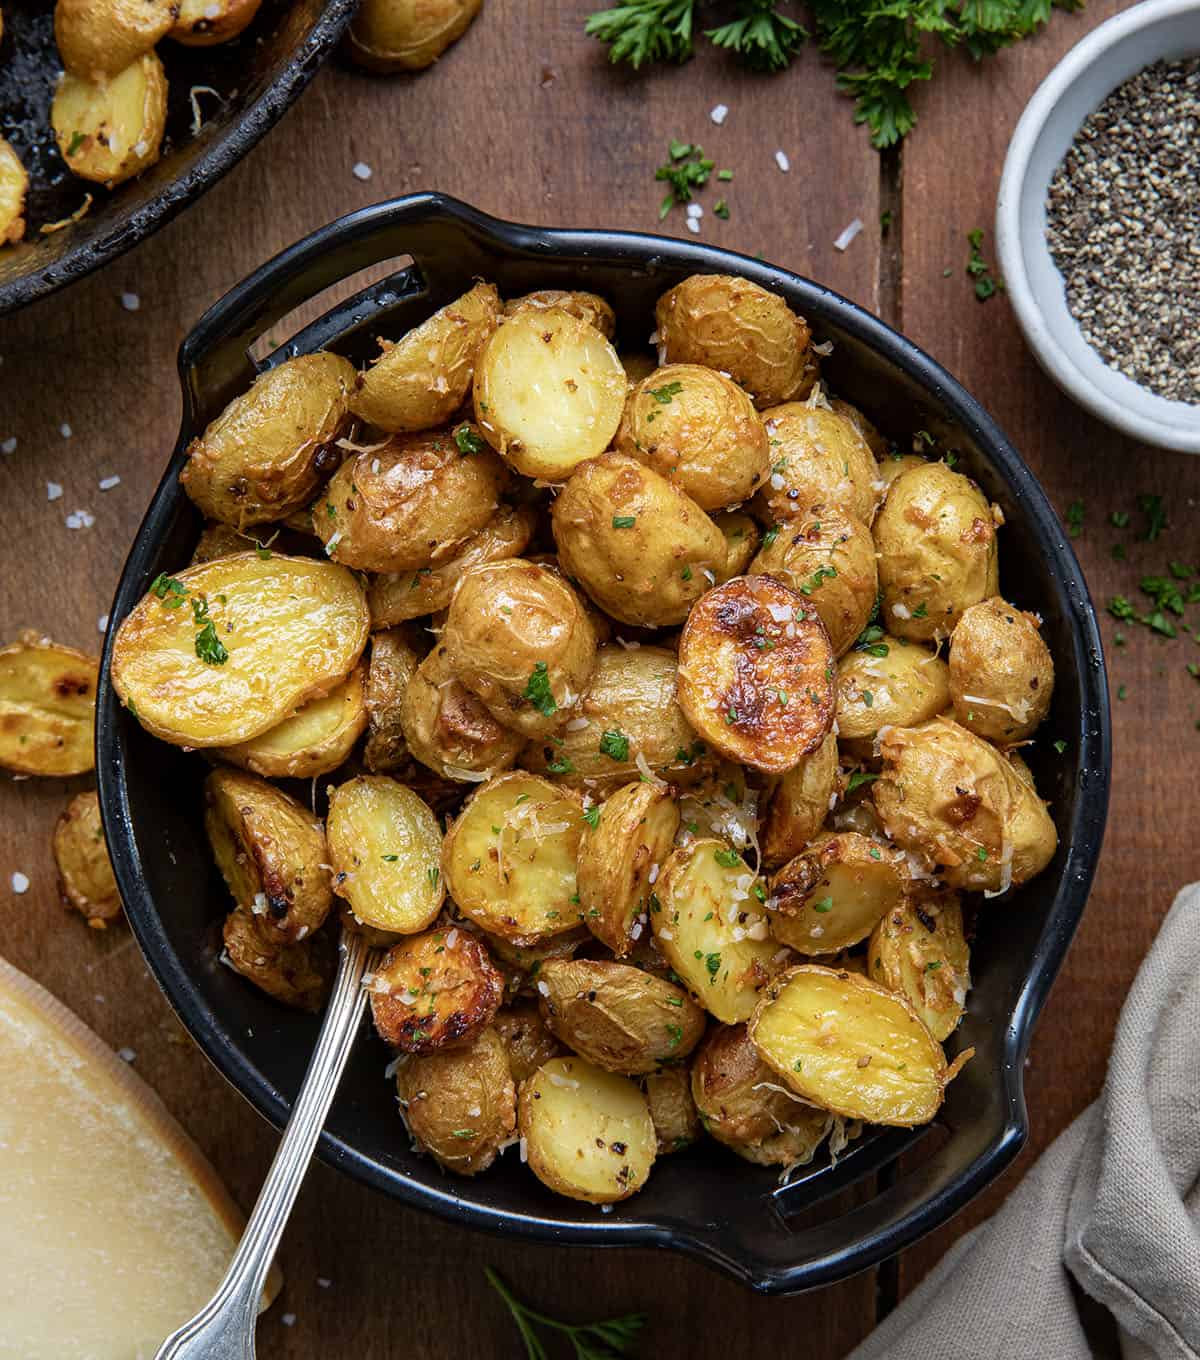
(14, 184)
(1001, 672)
(110, 130)
(817, 458)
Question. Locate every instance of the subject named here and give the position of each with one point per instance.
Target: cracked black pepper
(1123, 226)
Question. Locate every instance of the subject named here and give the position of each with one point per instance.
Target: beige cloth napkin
(1113, 1205)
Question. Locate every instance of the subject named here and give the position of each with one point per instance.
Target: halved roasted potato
(742, 537)
(14, 184)
(447, 728)
(85, 874)
(549, 392)
(407, 35)
(297, 974)
(708, 919)
(111, 130)
(47, 707)
(229, 649)
(394, 661)
(528, 1041)
(617, 1017)
(624, 845)
(1001, 672)
(205, 23)
(97, 39)
(586, 306)
(672, 1109)
(271, 852)
(919, 949)
(799, 803)
(756, 673)
(384, 845)
(849, 1046)
(509, 858)
(587, 1133)
(887, 682)
(817, 458)
(311, 742)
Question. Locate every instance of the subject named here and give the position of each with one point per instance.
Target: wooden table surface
(525, 119)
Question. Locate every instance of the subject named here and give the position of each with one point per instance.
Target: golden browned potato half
(47, 707)
(460, 1104)
(817, 458)
(14, 184)
(434, 990)
(878, 445)
(849, 1046)
(296, 974)
(421, 381)
(698, 429)
(97, 39)
(919, 949)
(549, 392)
(672, 1109)
(742, 537)
(412, 502)
(587, 1133)
(887, 682)
(108, 132)
(618, 1017)
(642, 549)
(619, 857)
(736, 327)
(272, 853)
(586, 306)
(85, 875)
(835, 892)
(407, 35)
(521, 640)
(756, 673)
(227, 650)
(957, 803)
(936, 538)
(394, 661)
(448, 729)
(205, 23)
(828, 556)
(268, 451)
(1001, 671)
(799, 803)
(528, 1041)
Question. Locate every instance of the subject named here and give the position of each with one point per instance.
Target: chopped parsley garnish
(986, 284)
(770, 536)
(721, 209)
(537, 690)
(868, 698)
(981, 854)
(858, 778)
(824, 905)
(462, 1133)
(1156, 516)
(77, 140)
(921, 611)
(686, 574)
(663, 394)
(170, 591)
(624, 521)
(727, 859)
(468, 441)
(209, 647)
(391, 859)
(1060, 746)
(713, 963)
(615, 745)
(592, 815)
(1119, 519)
(560, 765)
(869, 641)
(675, 1032)
(686, 168)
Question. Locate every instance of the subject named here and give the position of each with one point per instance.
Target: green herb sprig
(592, 1340)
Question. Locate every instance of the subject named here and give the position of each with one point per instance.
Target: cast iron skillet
(703, 1201)
(256, 76)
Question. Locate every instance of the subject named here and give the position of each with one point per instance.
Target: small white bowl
(1148, 32)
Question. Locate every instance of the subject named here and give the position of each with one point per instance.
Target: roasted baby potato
(395, 597)
(629, 719)
(394, 662)
(919, 950)
(587, 1133)
(849, 1046)
(738, 328)
(799, 803)
(97, 39)
(835, 892)
(624, 845)
(448, 729)
(744, 1106)
(954, 801)
(47, 707)
(528, 1041)
(936, 538)
(817, 458)
(521, 640)
(85, 875)
(384, 844)
(268, 451)
(895, 464)
(698, 429)
(420, 381)
(407, 35)
(878, 445)
(205, 23)
(108, 131)
(313, 741)
(412, 502)
(642, 549)
(460, 1104)
(509, 858)
(672, 1109)
(756, 673)
(586, 306)
(711, 927)
(1001, 672)
(296, 974)
(14, 184)
(887, 682)
(549, 392)
(617, 1017)
(742, 537)
(228, 650)
(828, 556)
(434, 990)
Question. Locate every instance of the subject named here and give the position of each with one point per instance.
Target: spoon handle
(224, 1328)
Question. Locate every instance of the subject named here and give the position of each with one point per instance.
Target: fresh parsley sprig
(592, 1340)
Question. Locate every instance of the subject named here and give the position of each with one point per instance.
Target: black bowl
(257, 75)
(702, 1201)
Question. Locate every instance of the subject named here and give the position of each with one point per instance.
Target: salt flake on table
(65, 430)
(782, 161)
(20, 883)
(288, 1319)
(848, 234)
(719, 113)
(695, 210)
(80, 519)
(362, 171)
(53, 490)
(9, 445)
(102, 624)
(126, 1054)
(693, 225)
(107, 483)
(130, 301)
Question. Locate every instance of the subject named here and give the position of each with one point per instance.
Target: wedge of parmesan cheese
(113, 1227)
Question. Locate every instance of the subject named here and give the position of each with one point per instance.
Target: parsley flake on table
(986, 283)
(537, 691)
(606, 1340)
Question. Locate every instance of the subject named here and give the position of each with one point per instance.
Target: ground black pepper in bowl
(1123, 227)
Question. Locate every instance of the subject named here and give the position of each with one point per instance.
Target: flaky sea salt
(782, 161)
(362, 171)
(53, 491)
(130, 301)
(107, 483)
(20, 883)
(80, 519)
(719, 114)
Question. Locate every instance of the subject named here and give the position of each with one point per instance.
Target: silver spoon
(224, 1328)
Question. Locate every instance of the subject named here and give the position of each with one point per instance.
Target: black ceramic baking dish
(703, 1201)
(249, 83)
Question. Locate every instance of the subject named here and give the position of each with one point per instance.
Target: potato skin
(407, 35)
(906, 686)
(528, 1041)
(799, 803)
(1001, 672)
(197, 26)
(586, 306)
(642, 549)
(919, 949)
(698, 429)
(267, 452)
(448, 729)
(296, 974)
(936, 538)
(14, 184)
(672, 1109)
(99, 39)
(394, 661)
(85, 875)
(108, 132)
(736, 327)
(413, 503)
(878, 445)
(817, 458)
(47, 707)
(434, 990)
